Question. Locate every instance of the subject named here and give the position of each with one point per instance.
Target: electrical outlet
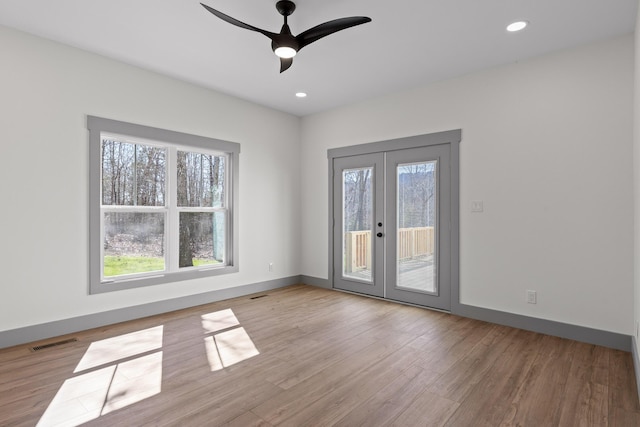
(270, 266)
(532, 297)
(477, 206)
(637, 329)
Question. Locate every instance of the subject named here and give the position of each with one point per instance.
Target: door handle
(379, 234)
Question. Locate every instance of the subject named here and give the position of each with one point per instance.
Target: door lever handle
(379, 234)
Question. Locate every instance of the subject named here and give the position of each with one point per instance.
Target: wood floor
(305, 356)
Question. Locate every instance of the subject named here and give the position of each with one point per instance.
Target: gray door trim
(446, 137)
(453, 138)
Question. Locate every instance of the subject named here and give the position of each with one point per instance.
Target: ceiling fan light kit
(284, 44)
(285, 52)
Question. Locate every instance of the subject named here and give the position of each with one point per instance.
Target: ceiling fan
(284, 44)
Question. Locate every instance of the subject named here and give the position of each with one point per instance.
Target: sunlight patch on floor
(118, 372)
(133, 373)
(228, 348)
(133, 381)
(232, 345)
(219, 320)
(112, 349)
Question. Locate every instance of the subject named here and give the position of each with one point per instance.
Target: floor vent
(53, 344)
(259, 296)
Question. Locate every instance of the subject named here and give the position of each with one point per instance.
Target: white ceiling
(409, 42)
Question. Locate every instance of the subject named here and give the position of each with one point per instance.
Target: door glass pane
(416, 213)
(357, 213)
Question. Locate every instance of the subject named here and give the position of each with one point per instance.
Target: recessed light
(301, 95)
(517, 26)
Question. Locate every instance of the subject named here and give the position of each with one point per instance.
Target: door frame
(451, 138)
(376, 162)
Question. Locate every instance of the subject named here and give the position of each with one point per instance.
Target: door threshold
(440, 310)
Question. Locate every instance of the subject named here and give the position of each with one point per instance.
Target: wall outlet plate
(477, 206)
(532, 297)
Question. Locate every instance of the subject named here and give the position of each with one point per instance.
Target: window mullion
(228, 205)
(135, 175)
(173, 233)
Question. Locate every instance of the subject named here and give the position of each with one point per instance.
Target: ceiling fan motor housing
(284, 39)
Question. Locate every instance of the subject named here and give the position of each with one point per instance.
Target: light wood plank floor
(305, 356)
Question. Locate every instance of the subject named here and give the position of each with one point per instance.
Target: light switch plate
(477, 206)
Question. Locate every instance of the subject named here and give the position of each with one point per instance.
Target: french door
(392, 225)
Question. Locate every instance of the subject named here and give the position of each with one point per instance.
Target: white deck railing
(412, 243)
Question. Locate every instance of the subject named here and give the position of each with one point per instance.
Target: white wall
(547, 145)
(46, 91)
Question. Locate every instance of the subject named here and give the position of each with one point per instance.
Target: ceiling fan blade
(285, 63)
(237, 23)
(322, 30)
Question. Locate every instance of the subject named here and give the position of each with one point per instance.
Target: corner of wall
(636, 362)
(636, 195)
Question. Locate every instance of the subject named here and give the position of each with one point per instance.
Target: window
(162, 206)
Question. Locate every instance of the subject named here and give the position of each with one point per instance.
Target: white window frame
(172, 141)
